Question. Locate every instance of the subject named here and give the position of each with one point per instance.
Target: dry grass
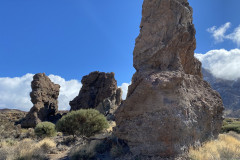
(27, 149)
(46, 143)
(112, 124)
(226, 147)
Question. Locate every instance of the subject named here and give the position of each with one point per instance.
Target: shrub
(84, 122)
(231, 125)
(45, 129)
(46, 144)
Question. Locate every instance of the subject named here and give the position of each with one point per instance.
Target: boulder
(99, 91)
(44, 97)
(169, 107)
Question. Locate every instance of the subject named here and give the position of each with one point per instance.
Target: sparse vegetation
(45, 129)
(226, 147)
(109, 147)
(84, 122)
(84, 152)
(231, 125)
(7, 127)
(27, 149)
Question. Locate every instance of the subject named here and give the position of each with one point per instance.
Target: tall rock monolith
(169, 107)
(44, 97)
(99, 91)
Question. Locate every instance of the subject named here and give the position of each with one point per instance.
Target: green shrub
(231, 125)
(84, 122)
(45, 129)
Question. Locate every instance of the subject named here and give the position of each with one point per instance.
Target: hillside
(229, 91)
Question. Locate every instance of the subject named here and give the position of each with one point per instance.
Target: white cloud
(14, 92)
(235, 36)
(68, 91)
(219, 34)
(124, 87)
(222, 63)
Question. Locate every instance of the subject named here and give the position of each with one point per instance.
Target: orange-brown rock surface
(169, 107)
(44, 97)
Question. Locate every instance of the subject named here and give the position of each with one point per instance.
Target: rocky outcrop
(169, 107)
(99, 91)
(44, 97)
(167, 38)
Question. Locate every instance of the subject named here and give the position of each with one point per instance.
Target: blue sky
(208, 13)
(70, 39)
(73, 38)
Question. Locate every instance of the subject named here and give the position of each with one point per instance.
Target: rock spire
(44, 97)
(169, 107)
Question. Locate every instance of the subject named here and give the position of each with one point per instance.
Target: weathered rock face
(169, 107)
(99, 91)
(44, 97)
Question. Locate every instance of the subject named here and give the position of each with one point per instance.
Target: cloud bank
(124, 87)
(14, 92)
(219, 34)
(68, 91)
(222, 63)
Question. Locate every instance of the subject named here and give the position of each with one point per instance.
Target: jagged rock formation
(44, 97)
(229, 91)
(169, 107)
(99, 91)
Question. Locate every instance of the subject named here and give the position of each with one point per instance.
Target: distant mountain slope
(229, 91)
(10, 110)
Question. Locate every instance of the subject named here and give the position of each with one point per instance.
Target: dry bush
(27, 149)
(7, 142)
(226, 147)
(46, 144)
(84, 152)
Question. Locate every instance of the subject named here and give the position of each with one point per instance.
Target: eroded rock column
(44, 97)
(169, 107)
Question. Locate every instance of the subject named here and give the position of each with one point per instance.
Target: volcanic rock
(169, 107)
(99, 91)
(44, 97)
